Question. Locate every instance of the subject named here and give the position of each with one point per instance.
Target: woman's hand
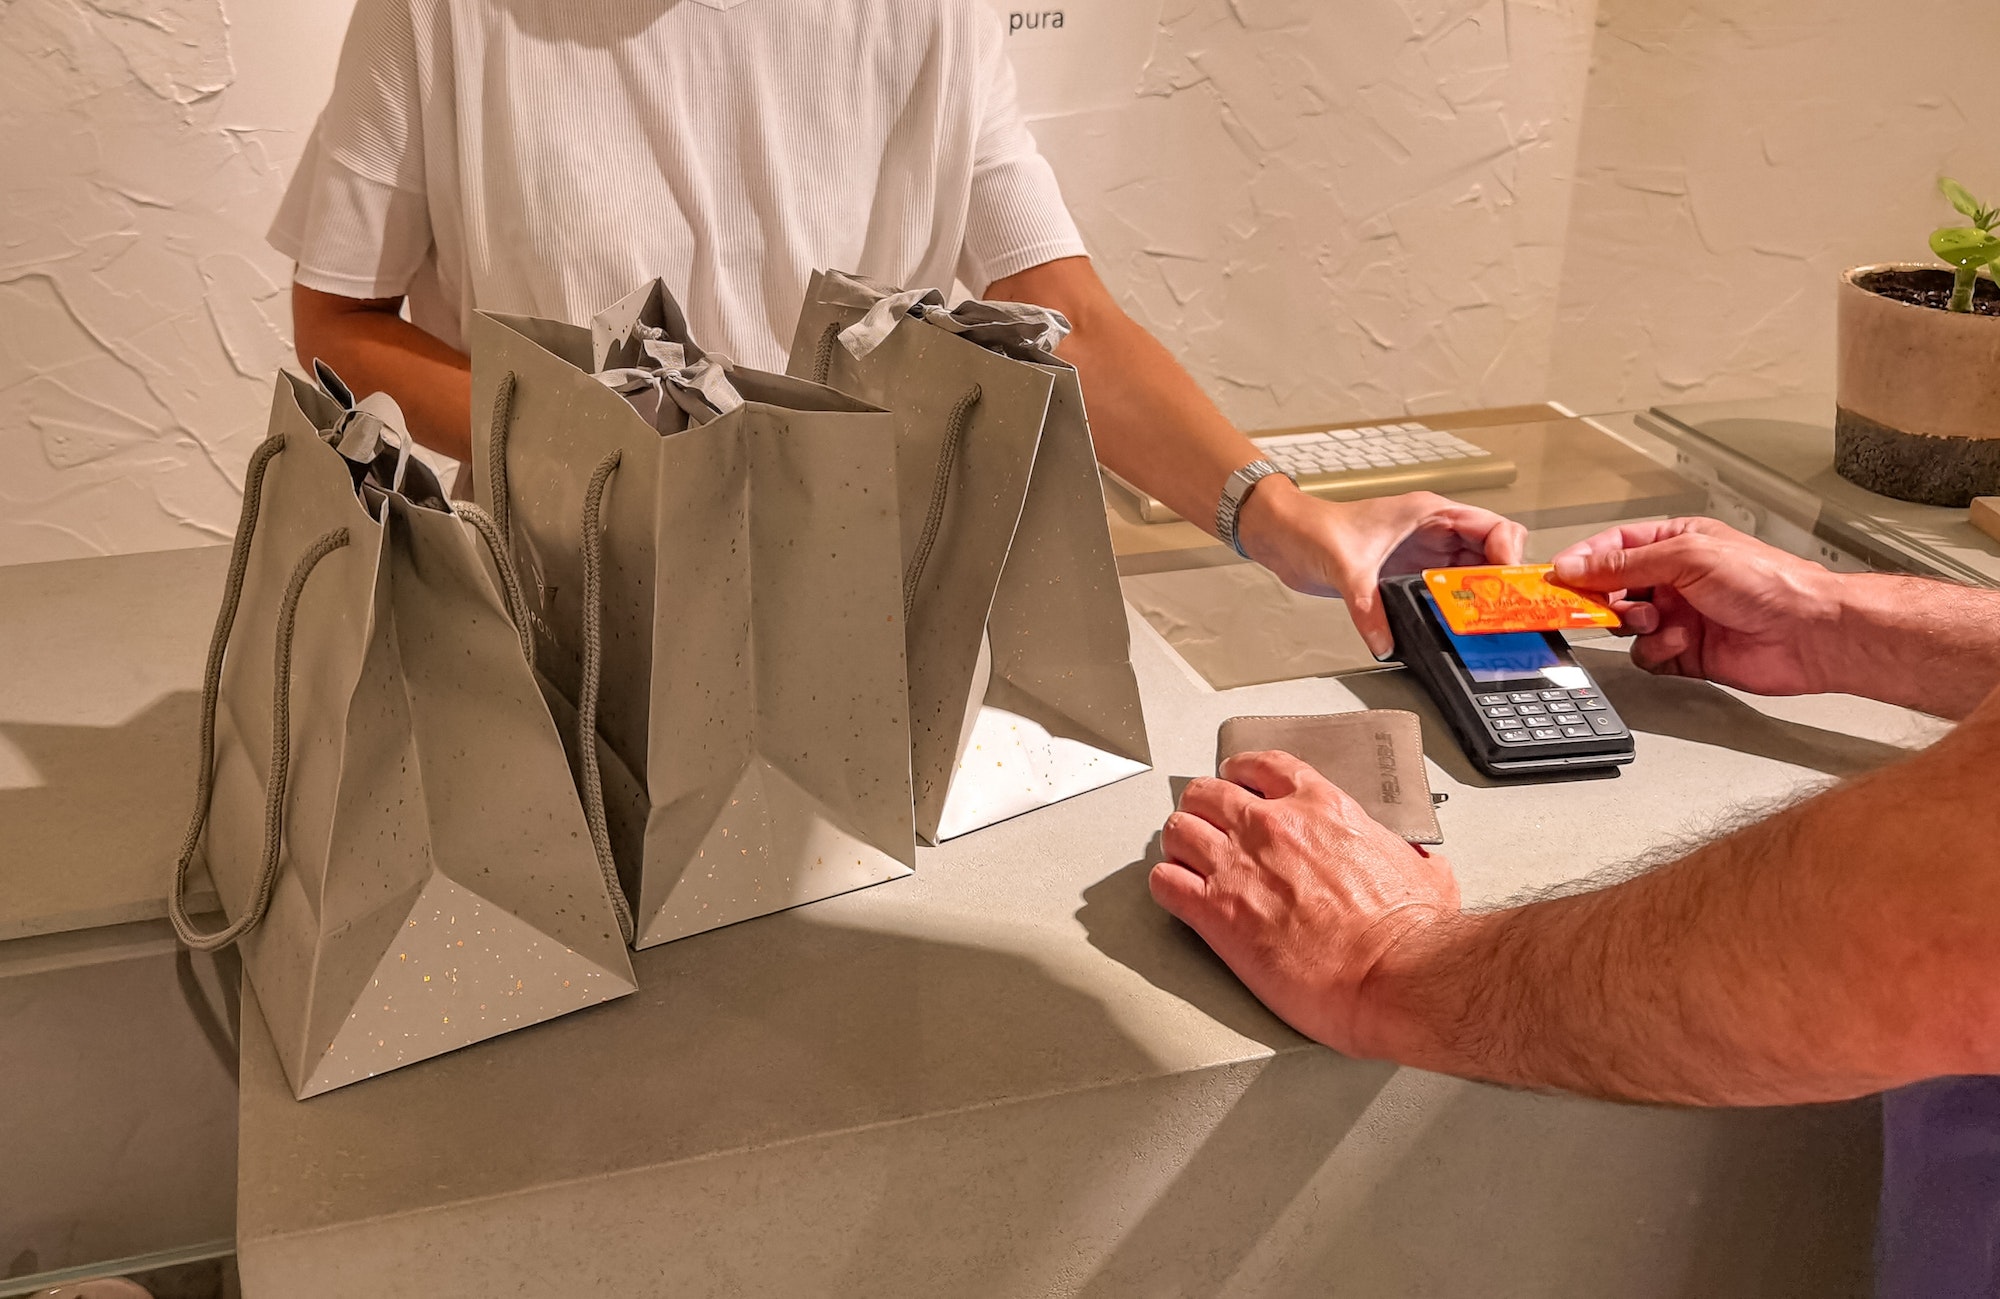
(1345, 547)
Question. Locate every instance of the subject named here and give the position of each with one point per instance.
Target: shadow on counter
(1277, 1136)
(1696, 711)
(1534, 1194)
(1701, 713)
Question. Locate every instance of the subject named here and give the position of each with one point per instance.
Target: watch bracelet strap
(1235, 490)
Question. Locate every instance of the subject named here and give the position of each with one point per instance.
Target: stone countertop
(1012, 1074)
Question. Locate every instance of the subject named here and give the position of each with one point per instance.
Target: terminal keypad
(1544, 716)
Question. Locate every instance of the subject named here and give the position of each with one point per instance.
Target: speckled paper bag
(1021, 685)
(752, 724)
(436, 885)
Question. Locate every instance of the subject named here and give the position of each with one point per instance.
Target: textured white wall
(144, 145)
(1737, 155)
(1325, 209)
(1341, 209)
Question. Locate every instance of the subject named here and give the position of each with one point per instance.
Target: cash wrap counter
(1008, 1075)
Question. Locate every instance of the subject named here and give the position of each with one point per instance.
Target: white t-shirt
(546, 157)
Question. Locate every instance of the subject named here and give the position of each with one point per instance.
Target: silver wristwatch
(1234, 492)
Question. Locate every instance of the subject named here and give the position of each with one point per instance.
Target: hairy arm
(1845, 945)
(1704, 600)
(1848, 944)
(1924, 644)
(374, 349)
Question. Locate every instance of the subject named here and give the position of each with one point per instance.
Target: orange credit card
(1512, 597)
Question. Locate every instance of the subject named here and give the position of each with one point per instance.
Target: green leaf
(1960, 197)
(1965, 246)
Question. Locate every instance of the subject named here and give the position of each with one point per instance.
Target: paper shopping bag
(390, 823)
(1021, 683)
(709, 556)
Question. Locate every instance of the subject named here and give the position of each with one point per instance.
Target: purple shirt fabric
(1938, 1236)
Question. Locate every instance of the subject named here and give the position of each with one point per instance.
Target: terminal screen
(1505, 656)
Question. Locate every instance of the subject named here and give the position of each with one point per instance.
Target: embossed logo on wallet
(1385, 759)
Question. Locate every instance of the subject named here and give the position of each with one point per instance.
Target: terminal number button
(1546, 733)
(1576, 732)
(1504, 710)
(1521, 697)
(1492, 699)
(1513, 737)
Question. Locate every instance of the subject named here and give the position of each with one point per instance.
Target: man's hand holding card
(1495, 598)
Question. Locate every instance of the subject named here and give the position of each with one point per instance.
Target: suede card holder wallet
(1377, 757)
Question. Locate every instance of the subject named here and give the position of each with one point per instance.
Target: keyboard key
(1513, 737)
(1521, 697)
(1605, 724)
(1546, 733)
(1502, 710)
(1576, 732)
(1591, 706)
(1562, 706)
(1492, 699)
(1553, 694)
(1532, 710)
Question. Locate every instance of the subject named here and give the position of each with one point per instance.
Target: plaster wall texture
(145, 144)
(1341, 210)
(1736, 156)
(1325, 210)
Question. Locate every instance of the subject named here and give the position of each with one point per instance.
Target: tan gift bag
(709, 556)
(1021, 684)
(390, 823)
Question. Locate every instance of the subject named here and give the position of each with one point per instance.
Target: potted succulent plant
(1919, 382)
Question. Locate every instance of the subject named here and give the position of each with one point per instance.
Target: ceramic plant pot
(1919, 386)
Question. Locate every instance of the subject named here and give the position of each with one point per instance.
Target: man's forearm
(1924, 644)
(1840, 947)
(375, 350)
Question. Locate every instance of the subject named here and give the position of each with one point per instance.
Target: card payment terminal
(1518, 702)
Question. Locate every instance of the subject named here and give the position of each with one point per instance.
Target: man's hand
(1345, 548)
(1300, 892)
(1704, 600)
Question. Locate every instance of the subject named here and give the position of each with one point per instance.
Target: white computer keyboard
(1349, 464)
(1378, 446)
